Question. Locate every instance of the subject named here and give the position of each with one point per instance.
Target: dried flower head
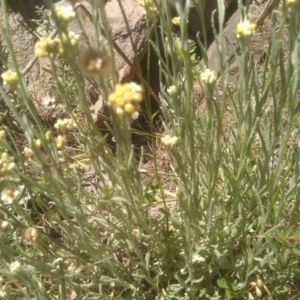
(245, 30)
(29, 235)
(126, 98)
(10, 79)
(94, 62)
(208, 77)
(8, 195)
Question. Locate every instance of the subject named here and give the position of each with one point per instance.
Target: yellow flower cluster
(172, 90)
(47, 47)
(6, 163)
(176, 21)
(149, 6)
(60, 141)
(10, 78)
(208, 77)
(125, 99)
(169, 141)
(65, 124)
(63, 41)
(64, 14)
(245, 30)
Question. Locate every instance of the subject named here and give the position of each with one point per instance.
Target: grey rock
(206, 8)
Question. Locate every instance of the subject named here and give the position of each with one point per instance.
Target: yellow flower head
(169, 141)
(47, 47)
(10, 78)
(60, 141)
(64, 14)
(208, 77)
(176, 21)
(149, 6)
(63, 41)
(126, 98)
(172, 90)
(245, 30)
(65, 124)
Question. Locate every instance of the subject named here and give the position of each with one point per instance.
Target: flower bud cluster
(172, 90)
(48, 47)
(245, 30)
(126, 98)
(169, 141)
(63, 14)
(10, 78)
(65, 124)
(176, 21)
(208, 77)
(60, 141)
(149, 6)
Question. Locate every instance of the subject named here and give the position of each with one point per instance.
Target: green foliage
(219, 221)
